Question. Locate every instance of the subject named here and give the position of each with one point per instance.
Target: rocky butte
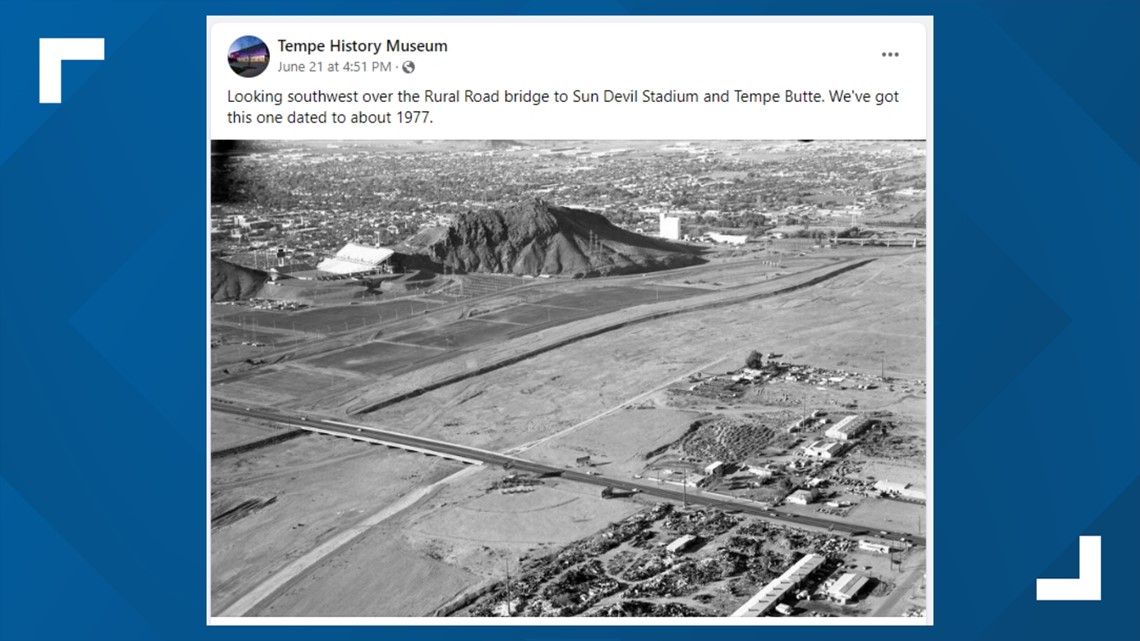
(536, 238)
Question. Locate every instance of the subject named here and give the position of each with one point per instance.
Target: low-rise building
(825, 449)
(847, 587)
(901, 490)
(913, 494)
(715, 469)
(798, 424)
(760, 471)
(876, 546)
(847, 428)
(888, 487)
(680, 544)
(802, 497)
(727, 239)
(771, 594)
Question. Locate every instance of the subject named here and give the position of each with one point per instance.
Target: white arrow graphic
(1086, 587)
(53, 51)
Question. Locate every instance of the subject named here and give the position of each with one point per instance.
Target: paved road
(524, 465)
(903, 589)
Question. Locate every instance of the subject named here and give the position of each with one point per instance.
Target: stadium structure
(357, 259)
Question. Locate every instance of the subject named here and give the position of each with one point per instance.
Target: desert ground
(621, 397)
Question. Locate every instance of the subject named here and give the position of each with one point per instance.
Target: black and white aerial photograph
(518, 379)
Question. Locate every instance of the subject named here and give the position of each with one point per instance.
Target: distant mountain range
(535, 237)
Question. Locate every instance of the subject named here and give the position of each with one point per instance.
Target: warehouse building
(680, 544)
(825, 449)
(847, 428)
(771, 594)
(847, 587)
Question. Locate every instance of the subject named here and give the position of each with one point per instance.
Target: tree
(755, 360)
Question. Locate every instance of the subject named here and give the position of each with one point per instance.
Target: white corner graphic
(1086, 587)
(53, 51)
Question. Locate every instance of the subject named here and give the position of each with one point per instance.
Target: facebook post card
(500, 321)
(504, 329)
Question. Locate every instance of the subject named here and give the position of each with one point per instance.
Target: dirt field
(381, 357)
(339, 318)
(897, 472)
(378, 575)
(887, 513)
(456, 539)
(284, 386)
(553, 391)
(618, 444)
(489, 521)
(400, 354)
(227, 430)
(320, 485)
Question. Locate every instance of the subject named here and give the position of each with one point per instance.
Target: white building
(727, 239)
(888, 487)
(802, 497)
(847, 428)
(760, 472)
(670, 227)
(825, 449)
(902, 490)
(353, 258)
(715, 469)
(847, 587)
(914, 494)
(878, 547)
(680, 544)
(771, 594)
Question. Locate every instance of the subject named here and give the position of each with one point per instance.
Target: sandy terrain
(320, 486)
(555, 390)
(456, 539)
(227, 430)
(378, 575)
(897, 472)
(618, 443)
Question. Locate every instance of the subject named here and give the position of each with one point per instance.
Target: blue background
(1037, 305)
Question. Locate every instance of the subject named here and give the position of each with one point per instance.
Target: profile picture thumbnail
(249, 56)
